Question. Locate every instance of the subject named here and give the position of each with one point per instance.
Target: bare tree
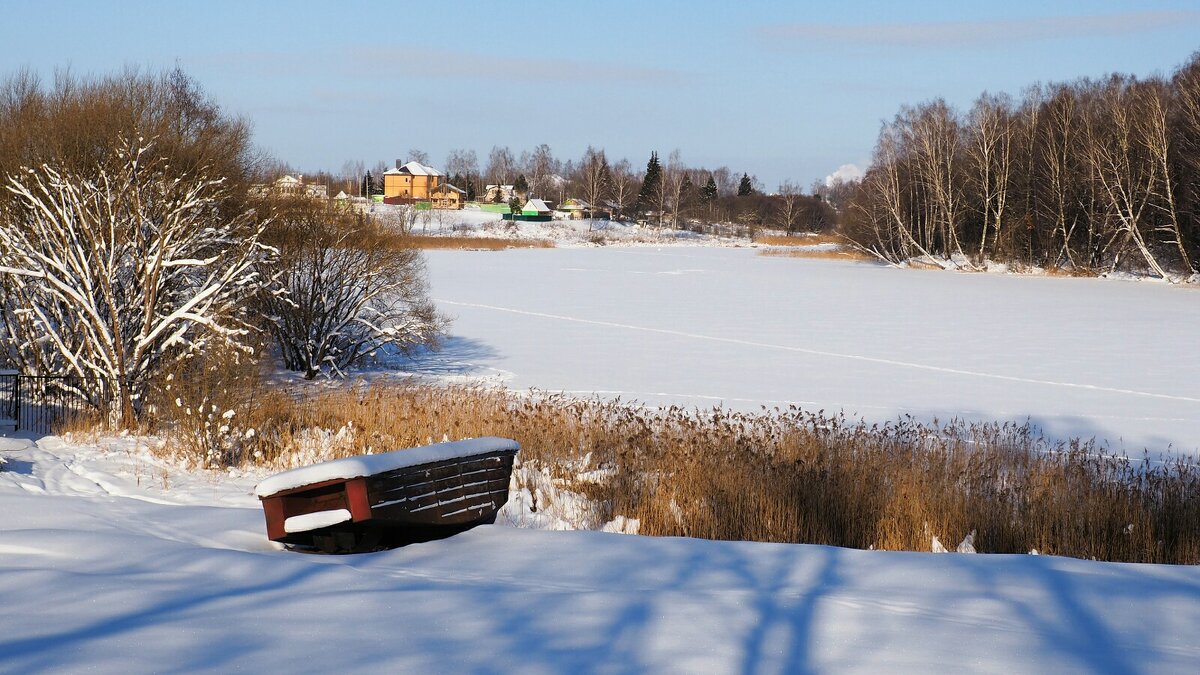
(936, 137)
(541, 169)
(789, 206)
(351, 289)
(1124, 174)
(501, 167)
(1091, 174)
(594, 175)
(726, 181)
(675, 176)
(990, 151)
(1154, 127)
(625, 184)
(113, 274)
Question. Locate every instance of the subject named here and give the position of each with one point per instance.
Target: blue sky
(782, 90)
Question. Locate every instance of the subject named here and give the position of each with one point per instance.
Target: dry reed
(799, 239)
(473, 243)
(819, 254)
(783, 474)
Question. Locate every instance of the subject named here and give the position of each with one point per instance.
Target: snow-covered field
(112, 561)
(701, 326)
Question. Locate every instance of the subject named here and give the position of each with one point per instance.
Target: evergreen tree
(367, 186)
(521, 186)
(709, 191)
(651, 184)
(745, 188)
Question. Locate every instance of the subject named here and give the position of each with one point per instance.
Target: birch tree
(113, 274)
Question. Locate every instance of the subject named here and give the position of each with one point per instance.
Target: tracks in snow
(829, 354)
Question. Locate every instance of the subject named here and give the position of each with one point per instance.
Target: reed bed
(473, 243)
(782, 475)
(798, 239)
(819, 254)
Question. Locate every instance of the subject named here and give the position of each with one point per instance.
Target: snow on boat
(371, 501)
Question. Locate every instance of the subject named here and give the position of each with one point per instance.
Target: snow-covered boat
(364, 502)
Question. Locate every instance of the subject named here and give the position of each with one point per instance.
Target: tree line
(661, 192)
(1092, 175)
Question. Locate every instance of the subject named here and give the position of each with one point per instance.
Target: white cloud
(985, 33)
(845, 173)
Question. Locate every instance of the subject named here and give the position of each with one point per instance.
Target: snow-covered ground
(113, 561)
(701, 326)
(473, 222)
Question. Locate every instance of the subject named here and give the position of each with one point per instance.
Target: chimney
(399, 164)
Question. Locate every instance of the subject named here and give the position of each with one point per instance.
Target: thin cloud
(986, 33)
(441, 63)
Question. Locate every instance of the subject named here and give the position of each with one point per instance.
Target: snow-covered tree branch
(350, 288)
(112, 274)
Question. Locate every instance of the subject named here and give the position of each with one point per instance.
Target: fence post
(17, 403)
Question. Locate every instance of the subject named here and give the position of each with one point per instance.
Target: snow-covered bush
(349, 288)
(113, 274)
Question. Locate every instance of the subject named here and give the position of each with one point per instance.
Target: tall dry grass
(810, 239)
(781, 475)
(429, 242)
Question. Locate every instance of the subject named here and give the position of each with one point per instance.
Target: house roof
(575, 204)
(502, 187)
(419, 169)
(536, 205)
(287, 180)
(446, 187)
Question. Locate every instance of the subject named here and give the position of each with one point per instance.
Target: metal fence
(10, 400)
(41, 403)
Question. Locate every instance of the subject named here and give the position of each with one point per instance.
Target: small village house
(578, 209)
(293, 186)
(497, 193)
(446, 196)
(537, 207)
(413, 181)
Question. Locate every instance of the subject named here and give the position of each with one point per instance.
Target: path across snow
(103, 571)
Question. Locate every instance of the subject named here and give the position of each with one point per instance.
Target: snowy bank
(103, 573)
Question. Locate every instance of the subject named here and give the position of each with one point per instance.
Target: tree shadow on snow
(456, 355)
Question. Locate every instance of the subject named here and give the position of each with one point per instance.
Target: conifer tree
(521, 186)
(367, 187)
(709, 191)
(745, 188)
(651, 184)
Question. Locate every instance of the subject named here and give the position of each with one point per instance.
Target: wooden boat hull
(414, 503)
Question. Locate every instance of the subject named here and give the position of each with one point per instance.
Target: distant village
(663, 194)
(425, 187)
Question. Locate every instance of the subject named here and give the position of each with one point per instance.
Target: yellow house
(446, 196)
(412, 181)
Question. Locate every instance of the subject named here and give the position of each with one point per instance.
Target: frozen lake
(1112, 359)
